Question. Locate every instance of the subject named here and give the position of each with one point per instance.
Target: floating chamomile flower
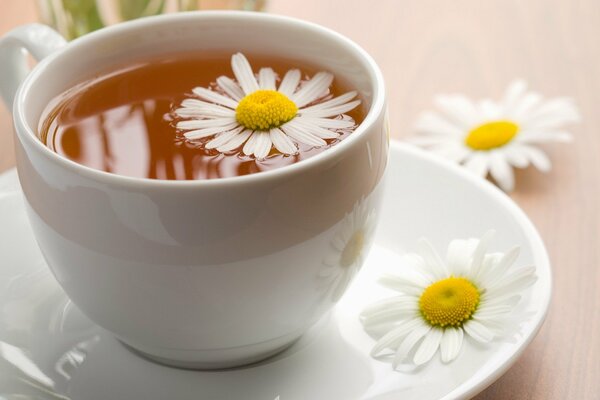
(492, 137)
(348, 249)
(472, 293)
(260, 115)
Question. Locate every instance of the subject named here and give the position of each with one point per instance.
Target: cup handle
(35, 39)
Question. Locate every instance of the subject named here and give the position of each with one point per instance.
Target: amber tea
(201, 116)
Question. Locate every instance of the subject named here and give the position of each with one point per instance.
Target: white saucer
(49, 350)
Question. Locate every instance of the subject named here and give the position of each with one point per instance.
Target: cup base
(215, 359)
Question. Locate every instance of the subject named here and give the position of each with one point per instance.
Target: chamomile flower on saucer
(348, 249)
(471, 293)
(492, 137)
(258, 114)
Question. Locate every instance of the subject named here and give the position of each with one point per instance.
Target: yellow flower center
(265, 109)
(449, 302)
(491, 135)
(353, 249)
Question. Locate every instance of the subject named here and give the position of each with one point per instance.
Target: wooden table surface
(477, 47)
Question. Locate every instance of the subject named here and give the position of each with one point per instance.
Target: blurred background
(475, 47)
(73, 18)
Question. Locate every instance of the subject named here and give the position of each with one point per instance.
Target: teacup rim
(375, 110)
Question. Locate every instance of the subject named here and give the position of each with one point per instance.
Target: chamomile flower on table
(255, 113)
(472, 293)
(493, 137)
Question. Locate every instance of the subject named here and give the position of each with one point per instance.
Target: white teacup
(203, 274)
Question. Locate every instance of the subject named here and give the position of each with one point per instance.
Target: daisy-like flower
(491, 137)
(260, 115)
(471, 293)
(348, 250)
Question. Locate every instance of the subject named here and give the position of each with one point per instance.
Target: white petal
(458, 257)
(491, 312)
(263, 145)
(315, 129)
(282, 142)
(414, 279)
(243, 73)
(230, 87)
(538, 158)
(391, 339)
(434, 124)
(458, 109)
(553, 114)
(432, 259)
(501, 171)
(339, 242)
(409, 343)
(313, 89)
(478, 331)
(489, 110)
(514, 156)
(342, 284)
(389, 314)
(223, 138)
(300, 134)
(202, 109)
(329, 123)
(520, 110)
(495, 269)
(248, 148)
(290, 82)
(188, 112)
(489, 271)
(451, 344)
(500, 296)
(332, 111)
(453, 152)
(479, 253)
(416, 264)
(206, 132)
(413, 260)
(513, 93)
(431, 141)
(204, 123)
(428, 347)
(399, 302)
(478, 164)
(235, 142)
(514, 281)
(215, 97)
(336, 101)
(496, 325)
(554, 122)
(266, 79)
(529, 136)
(510, 299)
(409, 284)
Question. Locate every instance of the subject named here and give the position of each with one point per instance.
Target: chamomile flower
(472, 293)
(492, 137)
(349, 248)
(259, 114)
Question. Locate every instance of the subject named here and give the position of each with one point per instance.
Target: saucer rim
(474, 384)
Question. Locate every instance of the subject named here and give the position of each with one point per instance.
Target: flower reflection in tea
(261, 115)
(348, 249)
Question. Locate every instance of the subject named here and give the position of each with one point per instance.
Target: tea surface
(124, 122)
